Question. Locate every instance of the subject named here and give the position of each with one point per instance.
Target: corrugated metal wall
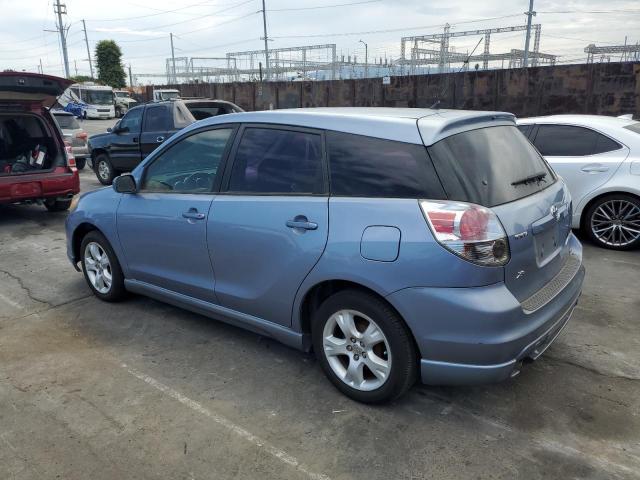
(606, 88)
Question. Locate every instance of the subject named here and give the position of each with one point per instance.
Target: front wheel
(101, 268)
(613, 222)
(103, 168)
(364, 347)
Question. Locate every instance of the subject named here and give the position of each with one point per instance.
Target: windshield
(67, 121)
(169, 95)
(97, 97)
(490, 166)
(122, 94)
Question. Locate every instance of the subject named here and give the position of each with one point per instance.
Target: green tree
(109, 63)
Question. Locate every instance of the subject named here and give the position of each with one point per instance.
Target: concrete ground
(143, 390)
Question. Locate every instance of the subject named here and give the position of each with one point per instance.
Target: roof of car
(380, 122)
(592, 120)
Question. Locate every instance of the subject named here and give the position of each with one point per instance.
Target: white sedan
(599, 159)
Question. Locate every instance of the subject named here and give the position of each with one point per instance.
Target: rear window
(363, 166)
(67, 121)
(634, 127)
(489, 166)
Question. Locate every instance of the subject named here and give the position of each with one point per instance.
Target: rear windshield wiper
(536, 177)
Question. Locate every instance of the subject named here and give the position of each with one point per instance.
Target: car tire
(101, 268)
(104, 169)
(54, 205)
(611, 220)
(376, 361)
(81, 163)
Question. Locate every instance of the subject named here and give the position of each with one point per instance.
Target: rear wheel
(613, 222)
(101, 268)
(364, 347)
(54, 205)
(103, 168)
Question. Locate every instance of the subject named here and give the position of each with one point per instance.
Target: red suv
(35, 162)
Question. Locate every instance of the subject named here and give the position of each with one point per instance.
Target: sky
(211, 28)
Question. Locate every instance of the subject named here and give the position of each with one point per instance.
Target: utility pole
(75, 65)
(173, 60)
(266, 40)
(530, 14)
(61, 9)
(130, 77)
(41, 69)
(366, 59)
(86, 41)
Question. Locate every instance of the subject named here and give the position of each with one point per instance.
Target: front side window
(279, 162)
(190, 165)
(363, 166)
(571, 141)
(132, 120)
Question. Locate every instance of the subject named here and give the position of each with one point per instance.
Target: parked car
(395, 243)
(202, 108)
(134, 136)
(599, 159)
(123, 102)
(74, 134)
(35, 163)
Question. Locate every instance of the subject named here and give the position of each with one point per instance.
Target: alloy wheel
(98, 267)
(616, 223)
(103, 170)
(357, 350)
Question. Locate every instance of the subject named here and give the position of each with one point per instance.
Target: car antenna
(444, 90)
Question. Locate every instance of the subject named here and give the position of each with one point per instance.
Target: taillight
(71, 160)
(471, 231)
(82, 135)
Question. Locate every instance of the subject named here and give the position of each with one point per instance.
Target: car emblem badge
(520, 274)
(520, 235)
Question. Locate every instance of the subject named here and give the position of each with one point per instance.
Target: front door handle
(302, 224)
(595, 168)
(160, 139)
(193, 214)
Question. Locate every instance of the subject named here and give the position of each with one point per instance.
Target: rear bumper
(481, 335)
(80, 151)
(60, 183)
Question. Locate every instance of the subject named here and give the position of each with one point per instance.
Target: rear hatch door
(28, 88)
(496, 166)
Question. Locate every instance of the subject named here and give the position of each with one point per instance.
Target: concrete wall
(608, 88)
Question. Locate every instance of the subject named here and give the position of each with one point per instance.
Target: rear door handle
(193, 214)
(595, 168)
(303, 224)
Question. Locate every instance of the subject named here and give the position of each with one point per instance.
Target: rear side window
(525, 129)
(278, 161)
(572, 141)
(362, 166)
(157, 119)
(489, 166)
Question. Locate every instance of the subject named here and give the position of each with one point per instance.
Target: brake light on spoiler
(471, 231)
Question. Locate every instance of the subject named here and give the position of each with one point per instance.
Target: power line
(318, 7)
(161, 12)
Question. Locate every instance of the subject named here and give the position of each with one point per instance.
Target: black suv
(135, 136)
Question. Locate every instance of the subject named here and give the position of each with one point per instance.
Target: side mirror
(125, 184)
(109, 130)
(120, 130)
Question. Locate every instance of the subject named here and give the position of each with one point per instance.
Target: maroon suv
(35, 162)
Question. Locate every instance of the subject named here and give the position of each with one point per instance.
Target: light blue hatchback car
(395, 243)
